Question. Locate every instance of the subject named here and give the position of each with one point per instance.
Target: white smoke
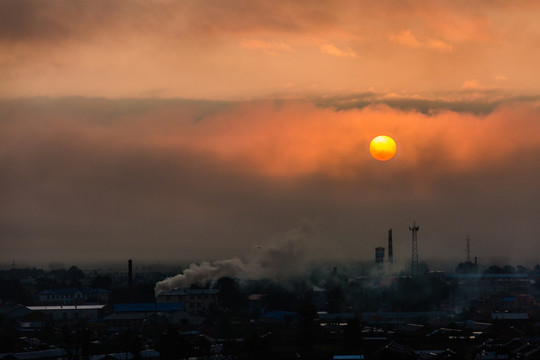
(200, 273)
(281, 258)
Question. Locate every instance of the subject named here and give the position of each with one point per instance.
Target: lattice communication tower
(414, 262)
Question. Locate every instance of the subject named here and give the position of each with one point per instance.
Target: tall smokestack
(390, 250)
(130, 280)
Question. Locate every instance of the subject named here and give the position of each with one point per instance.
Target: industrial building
(195, 301)
(73, 296)
(70, 312)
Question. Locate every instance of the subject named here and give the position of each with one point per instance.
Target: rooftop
(70, 291)
(148, 307)
(191, 292)
(65, 307)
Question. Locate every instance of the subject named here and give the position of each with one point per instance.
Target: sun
(382, 148)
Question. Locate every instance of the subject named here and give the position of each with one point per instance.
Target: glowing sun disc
(382, 148)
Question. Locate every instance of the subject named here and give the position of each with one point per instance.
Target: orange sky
(212, 126)
(253, 49)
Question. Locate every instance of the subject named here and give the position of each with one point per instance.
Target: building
(318, 298)
(70, 312)
(255, 304)
(136, 315)
(73, 296)
(195, 301)
(51, 354)
(481, 285)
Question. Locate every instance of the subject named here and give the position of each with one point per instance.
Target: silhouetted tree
(416, 293)
(43, 283)
(74, 275)
(13, 291)
(103, 282)
(494, 269)
(467, 268)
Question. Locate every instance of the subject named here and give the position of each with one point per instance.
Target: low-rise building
(70, 312)
(73, 296)
(195, 301)
(136, 314)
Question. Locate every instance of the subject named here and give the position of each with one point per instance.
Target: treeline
(472, 268)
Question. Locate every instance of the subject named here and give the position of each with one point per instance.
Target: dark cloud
(34, 20)
(489, 101)
(58, 20)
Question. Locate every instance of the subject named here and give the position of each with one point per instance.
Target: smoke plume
(282, 257)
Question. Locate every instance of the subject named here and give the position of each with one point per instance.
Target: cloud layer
(253, 49)
(199, 180)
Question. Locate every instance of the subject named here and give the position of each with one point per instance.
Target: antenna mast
(414, 262)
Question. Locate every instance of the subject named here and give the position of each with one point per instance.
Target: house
(394, 351)
(14, 312)
(33, 321)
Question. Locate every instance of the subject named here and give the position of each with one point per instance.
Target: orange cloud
(297, 138)
(268, 47)
(331, 49)
(407, 38)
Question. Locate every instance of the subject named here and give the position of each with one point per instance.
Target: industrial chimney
(130, 281)
(390, 250)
